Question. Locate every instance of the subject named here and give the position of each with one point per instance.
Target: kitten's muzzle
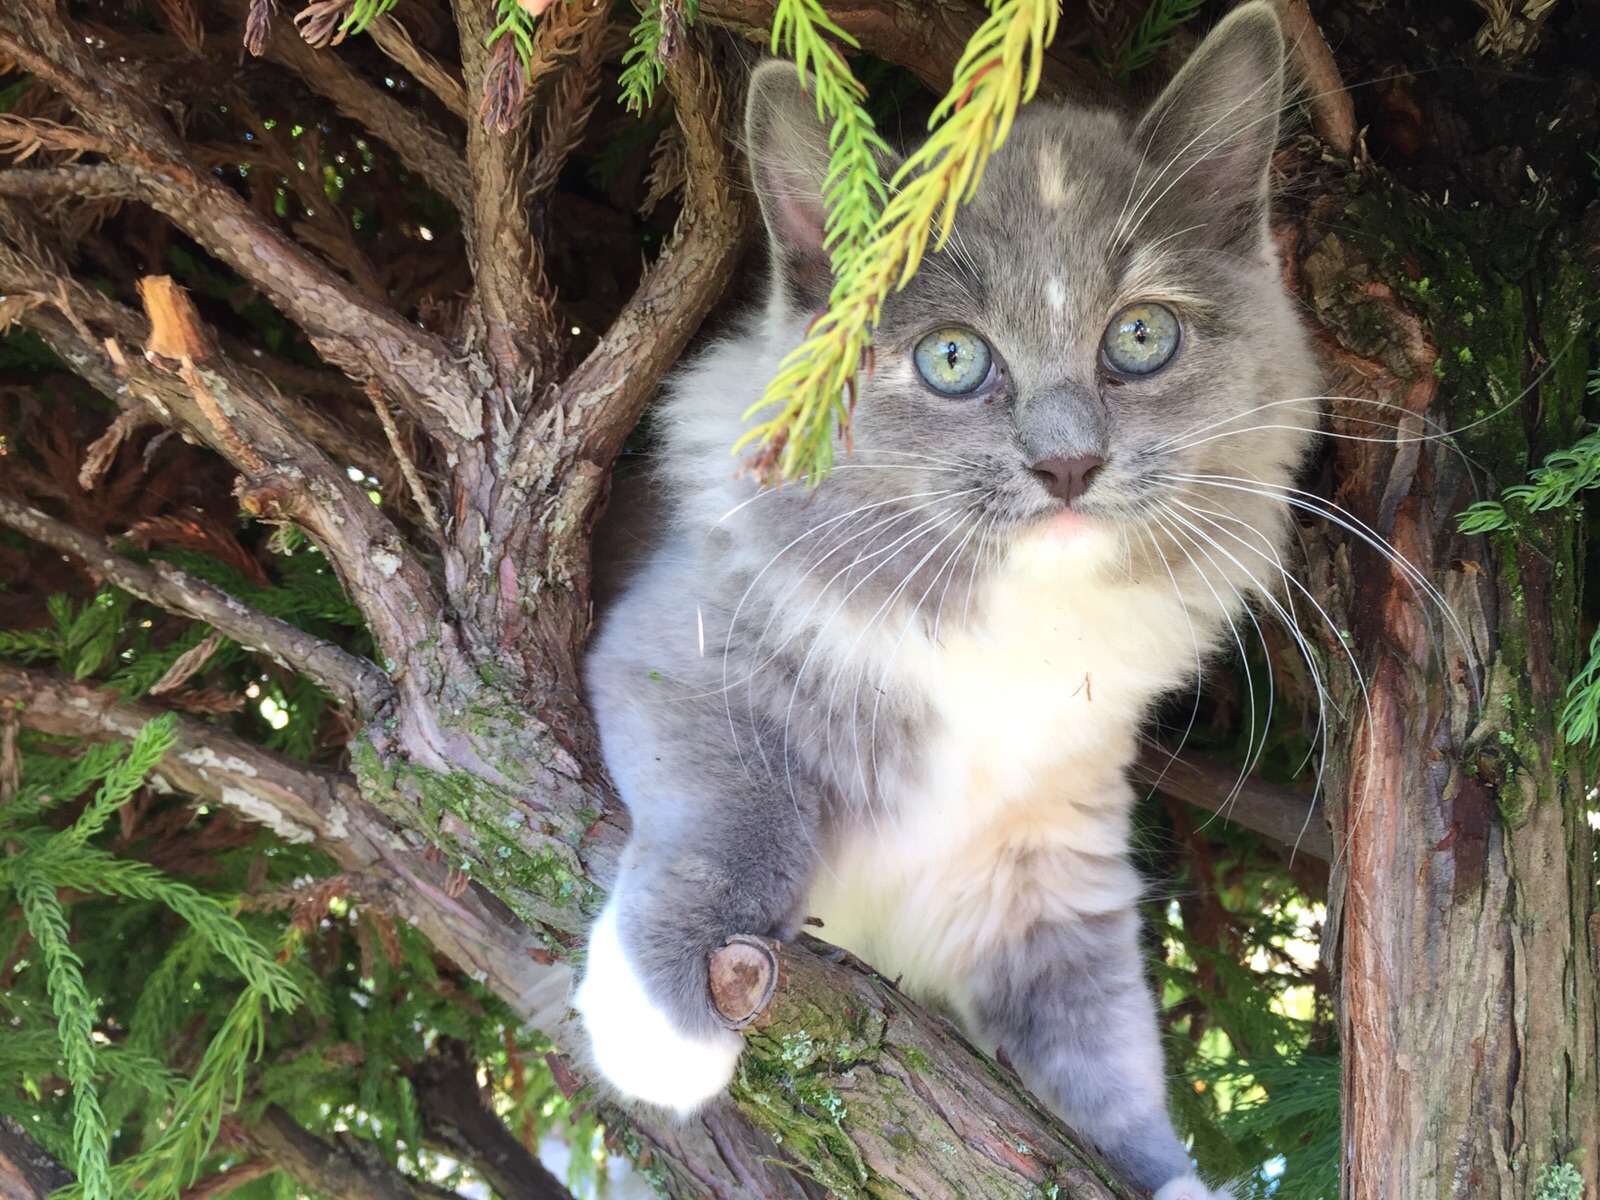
(1068, 478)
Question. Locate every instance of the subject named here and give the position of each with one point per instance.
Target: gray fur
(751, 684)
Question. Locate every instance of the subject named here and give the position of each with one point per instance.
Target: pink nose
(1068, 478)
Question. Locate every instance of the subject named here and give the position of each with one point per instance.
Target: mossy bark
(1464, 874)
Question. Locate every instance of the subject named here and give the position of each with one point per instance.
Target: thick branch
(352, 680)
(420, 146)
(607, 393)
(348, 1169)
(903, 1077)
(353, 333)
(511, 295)
(456, 1120)
(103, 181)
(1287, 817)
(26, 1171)
(927, 37)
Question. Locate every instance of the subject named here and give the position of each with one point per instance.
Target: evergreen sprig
(814, 389)
(42, 862)
(1154, 31)
(121, 779)
(642, 68)
(173, 1161)
(854, 190)
(1555, 483)
(76, 1019)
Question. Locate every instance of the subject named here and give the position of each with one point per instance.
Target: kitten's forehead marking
(1054, 190)
(1056, 293)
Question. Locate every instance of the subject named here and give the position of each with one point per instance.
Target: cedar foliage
(169, 971)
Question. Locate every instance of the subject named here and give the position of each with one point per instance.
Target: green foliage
(45, 860)
(143, 1009)
(853, 191)
(363, 13)
(1558, 1181)
(1153, 33)
(814, 388)
(642, 68)
(76, 1018)
(1560, 480)
(643, 63)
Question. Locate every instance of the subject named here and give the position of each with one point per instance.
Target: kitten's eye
(1141, 338)
(954, 361)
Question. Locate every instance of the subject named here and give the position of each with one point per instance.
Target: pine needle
(814, 389)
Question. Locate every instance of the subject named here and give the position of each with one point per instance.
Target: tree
(386, 288)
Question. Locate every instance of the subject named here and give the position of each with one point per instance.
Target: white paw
(636, 1045)
(1188, 1187)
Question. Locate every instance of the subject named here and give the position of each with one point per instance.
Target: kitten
(905, 702)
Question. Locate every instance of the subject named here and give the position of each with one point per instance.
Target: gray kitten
(905, 702)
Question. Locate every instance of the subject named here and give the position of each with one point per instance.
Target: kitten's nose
(1068, 478)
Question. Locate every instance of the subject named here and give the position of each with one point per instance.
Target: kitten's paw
(638, 1047)
(1188, 1187)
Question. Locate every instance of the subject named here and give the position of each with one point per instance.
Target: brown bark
(26, 1171)
(1464, 883)
(1463, 867)
(347, 1169)
(457, 1122)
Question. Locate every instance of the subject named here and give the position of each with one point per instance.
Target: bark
(348, 1169)
(1464, 864)
(457, 1122)
(26, 1171)
(1462, 867)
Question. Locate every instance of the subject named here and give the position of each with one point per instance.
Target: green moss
(537, 873)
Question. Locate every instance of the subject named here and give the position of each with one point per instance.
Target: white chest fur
(1021, 810)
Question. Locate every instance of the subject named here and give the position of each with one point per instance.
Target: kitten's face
(1104, 346)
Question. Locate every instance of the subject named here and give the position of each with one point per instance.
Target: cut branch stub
(175, 329)
(744, 974)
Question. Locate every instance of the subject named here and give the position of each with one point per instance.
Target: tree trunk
(1463, 880)
(1463, 868)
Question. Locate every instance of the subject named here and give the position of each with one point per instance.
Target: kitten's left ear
(1208, 139)
(788, 149)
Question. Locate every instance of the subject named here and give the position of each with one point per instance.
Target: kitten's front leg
(1066, 1001)
(691, 879)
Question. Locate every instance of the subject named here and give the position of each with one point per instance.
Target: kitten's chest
(1035, 716)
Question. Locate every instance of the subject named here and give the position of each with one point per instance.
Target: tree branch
(26, 1171)
(353, 333)
(349, 1169)
(420, 146)
(393, 39)
(183, 379)
(102, 181)
(607, 393)
(209, 1187)
(1289, 818)
(352, 680)
(458, 1123)
(511, 296)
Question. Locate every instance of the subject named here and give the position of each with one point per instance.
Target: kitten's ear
(1208, 139)
(788, 148)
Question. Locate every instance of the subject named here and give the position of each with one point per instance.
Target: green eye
(1141, 338)
(954, 361)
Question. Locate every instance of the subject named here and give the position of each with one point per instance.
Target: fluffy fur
(904, 702)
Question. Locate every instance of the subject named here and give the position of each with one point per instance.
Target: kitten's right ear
(1210, 136)
(788, 148)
